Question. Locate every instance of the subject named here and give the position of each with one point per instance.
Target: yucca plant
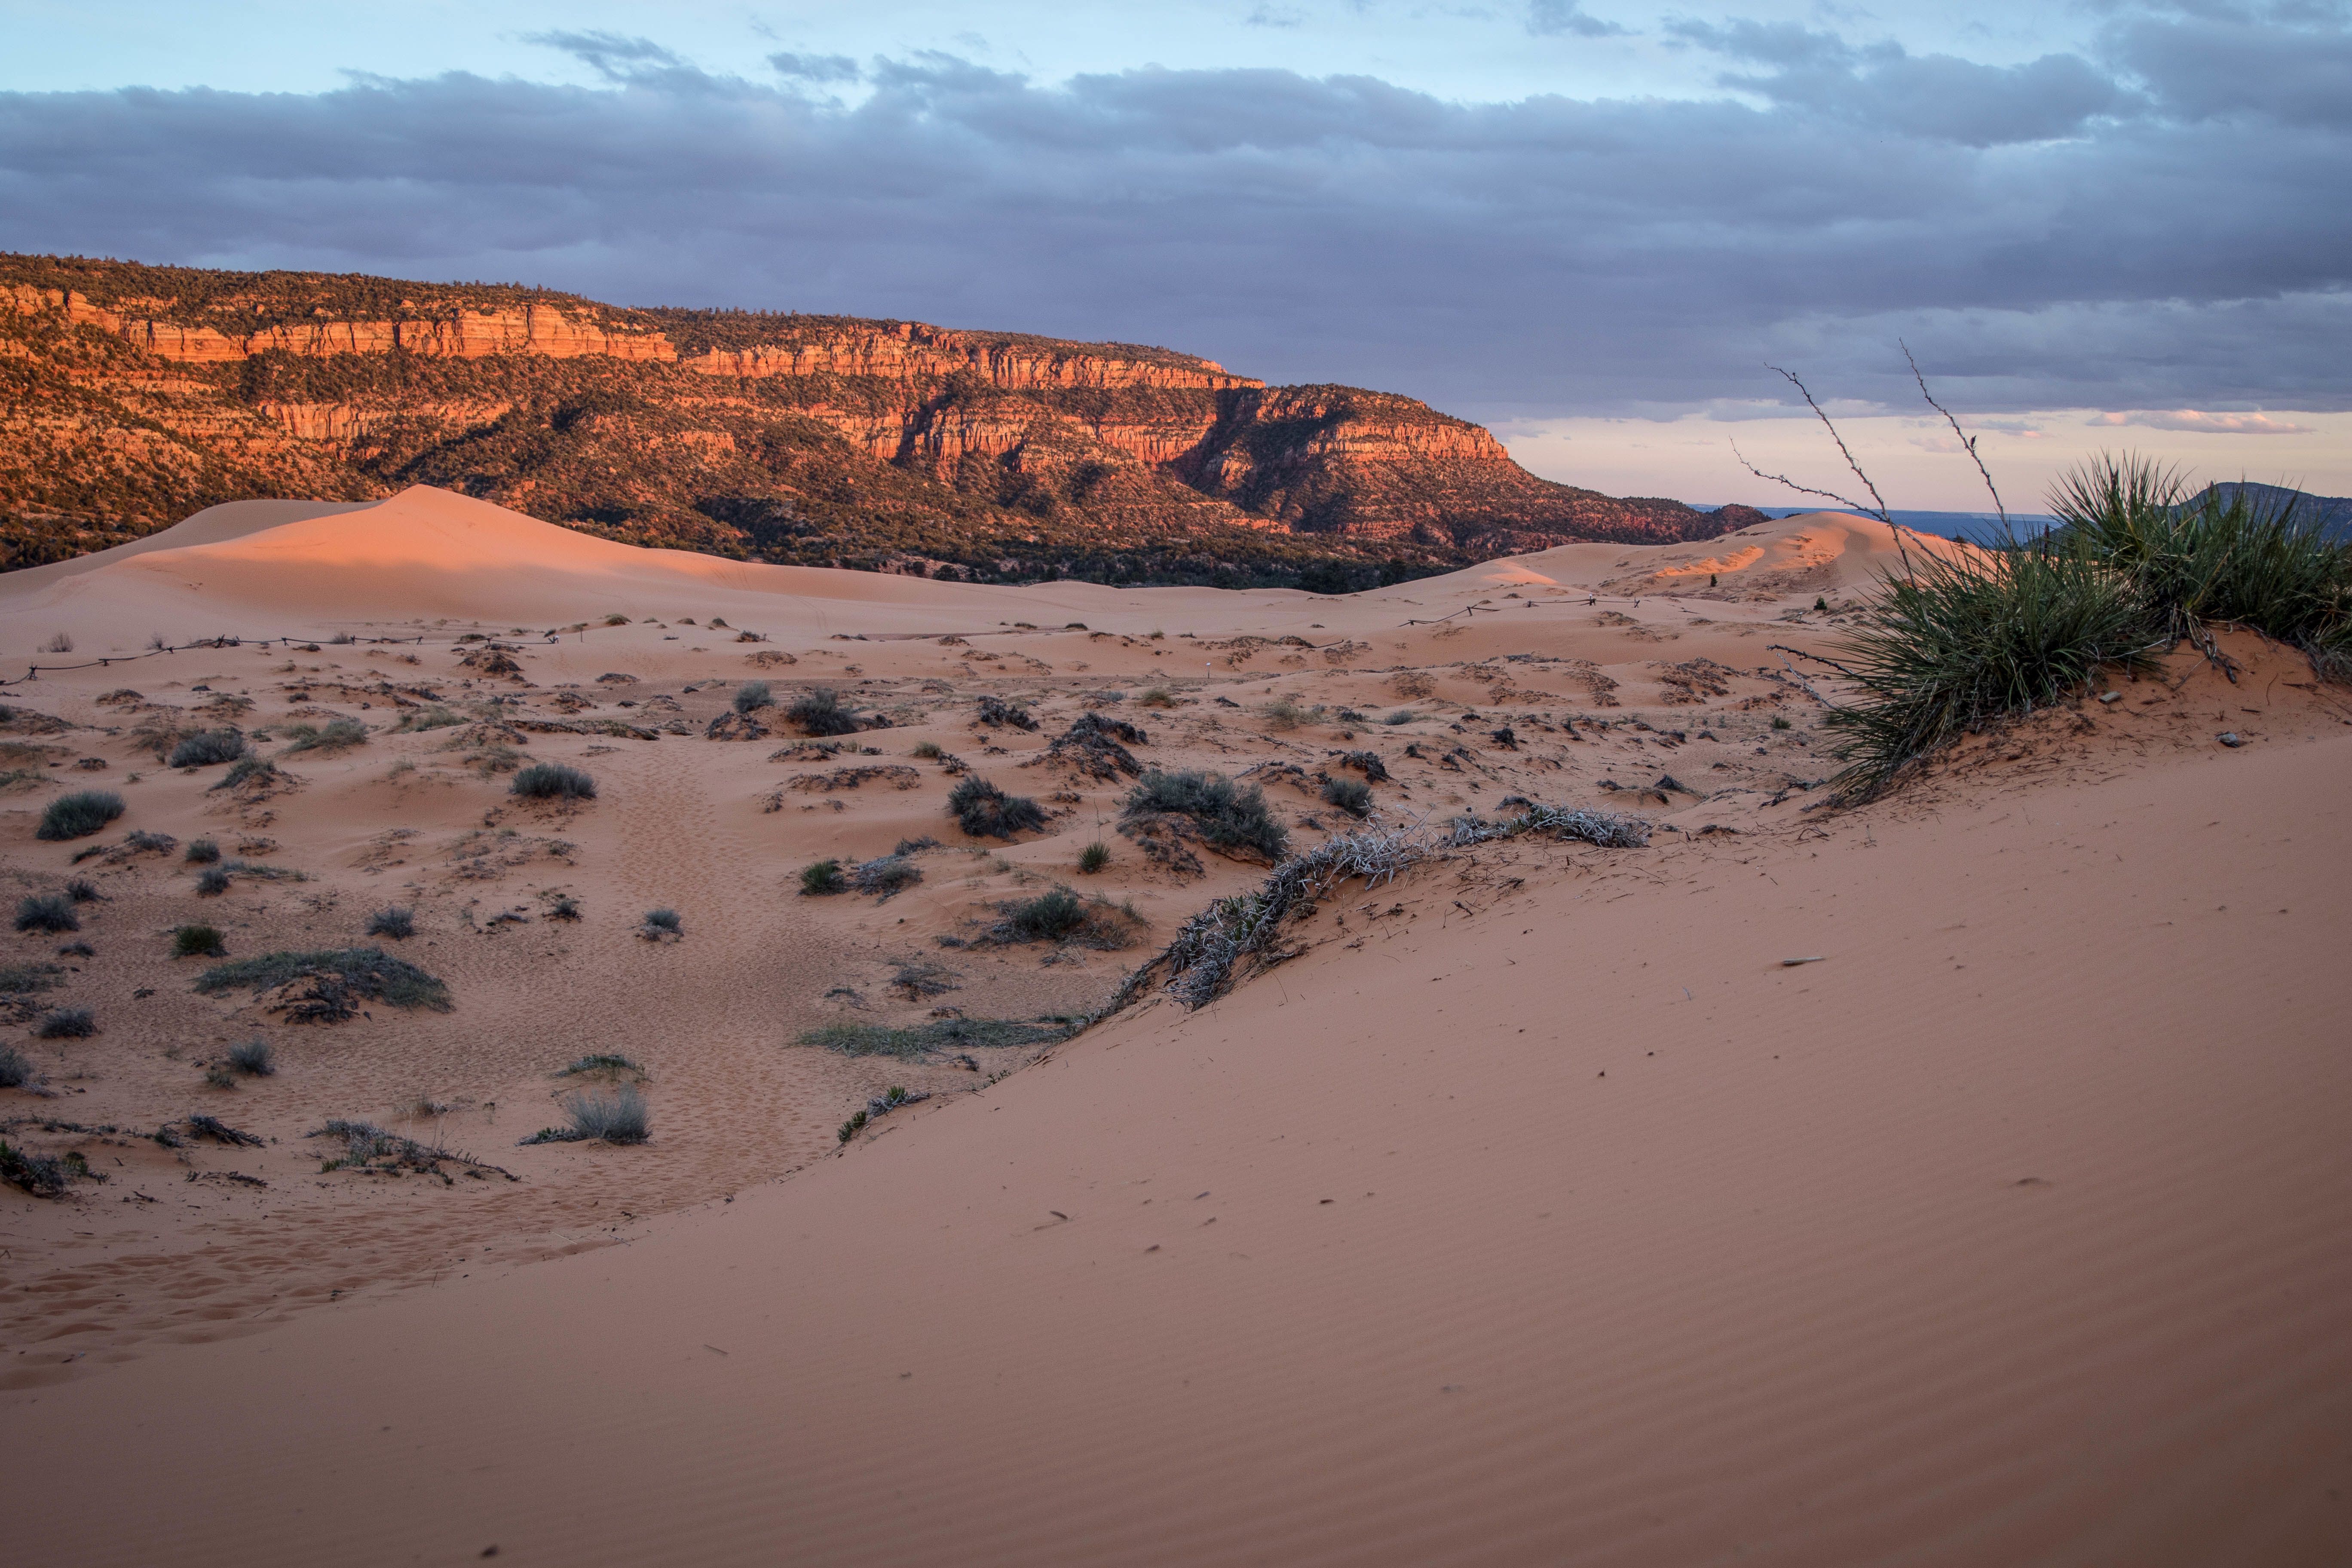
(1966, 638)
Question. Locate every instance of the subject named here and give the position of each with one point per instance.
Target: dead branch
(1966, 440)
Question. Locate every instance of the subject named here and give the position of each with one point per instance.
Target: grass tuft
(852, 1039)
(47, 913)
(78, 815)
(752, 696)
(822, 876)
(620, 1116)
(211, 882)
(366, 973)
(659, 923)
(335, 736)
(208, 747)
(1349, 796)
(66, 1023)
(553, 780)
(395, 920)
(886, 875)
(819, 712)
(253, 1057)
(15, 1072)
(202, 852)
(1094, 857)
(986, 811)
(197, 941)
(1228, 816)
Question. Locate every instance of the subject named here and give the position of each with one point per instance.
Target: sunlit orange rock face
(135, 394)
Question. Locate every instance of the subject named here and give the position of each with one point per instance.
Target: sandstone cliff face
(137, 393)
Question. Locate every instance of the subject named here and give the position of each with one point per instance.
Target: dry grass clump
(15, 1072)
(553, 780)
(338, 977)
(984, 811)
(1286, 713)
(753, 695)
(1348, 795)
(433, 718)
(1094, 857)
(197, 941)
(602, 1063)
(249, 769)
(660, 925)
(920, 1039)
(886, 875)
(78, 815)
(66, 1023)
(211, 882)
(208, 747)
(397, 922)
(1228, 816)
(335, 736)
(819, 710)
(620, 1116)
(253, 1057)
(47, 913)
(41, 1175)
(820, 878)
(202, 852)
(1155, 697)
(367, 1147)
(998, 713)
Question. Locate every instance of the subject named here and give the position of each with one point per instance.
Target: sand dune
(1533, 1210)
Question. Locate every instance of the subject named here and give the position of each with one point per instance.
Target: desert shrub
(211, 882)
(1780, 723)
(553, 780)
(1402, 716)
(620, 1116)
(78, 950)
(997, 711)
(15, 1072)
(601, 1062)
(2213, 557)
(751, 696)
(1348, 795)
(929, 750)
(202, 852)
(252, 1057)
(81, 890)
(852, 1039)
(218, 1075)
(197, 941)
(66, 1023)
(1094, 857)
(617, 620)
(1228, 815)
(39, 1174)
(1284, 714)
(564, 907)
(139, 839)
(433, 718)
(61, 643)
(206, 747)
(886, 875)
(1964, 640)
(915, 845)
(247, 769)
(78, 815)
(661, 924)
(1155, 697)
(366, 973)
(822, 876)
(986, 811)
(47, 913)
(1052, 914)
(819, 712)
(334, 735)
(397, 922)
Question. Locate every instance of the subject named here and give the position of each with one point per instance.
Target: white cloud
(2192, 420)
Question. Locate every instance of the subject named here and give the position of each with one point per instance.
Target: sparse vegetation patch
(325, 985)
(78, 815)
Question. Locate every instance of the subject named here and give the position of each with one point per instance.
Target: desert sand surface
(1534, 1208)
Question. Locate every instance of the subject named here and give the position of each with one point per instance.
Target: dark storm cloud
(2053, 234)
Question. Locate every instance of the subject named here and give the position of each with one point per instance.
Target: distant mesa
(141, 394)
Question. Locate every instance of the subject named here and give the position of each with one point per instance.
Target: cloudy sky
(1587, 222)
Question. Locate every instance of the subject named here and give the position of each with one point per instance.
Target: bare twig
(1880, 512)
(1806, 684)
(1817, 659)
(1966, 440)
